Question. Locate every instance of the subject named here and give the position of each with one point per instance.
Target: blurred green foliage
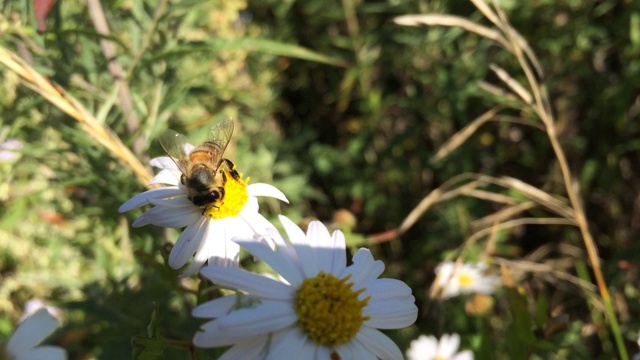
(340, 108)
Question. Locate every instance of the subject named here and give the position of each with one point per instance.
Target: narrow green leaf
(520, 339)
(266, 46)
(150, 347)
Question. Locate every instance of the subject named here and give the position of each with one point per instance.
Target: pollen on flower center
(235, 197)
(328, 310)
(465, 280)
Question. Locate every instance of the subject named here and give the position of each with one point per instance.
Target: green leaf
(253, 45)
(520, 339)
(150, 347)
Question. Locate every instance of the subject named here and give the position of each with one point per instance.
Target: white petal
(354, 350)
(266, 190)
(246, 350)
(247, 323)
(364, 267)
(307, 255)
(254, 284)
(251, 206)
(210, 336)
(163, 162)
(223, 251)
(293, 231)
(391, 314)
(31, 332)
(292, 344)
(449, 345)
(215, 308)
(174, 203)
(278, 260)
(187, 244)
(143, 198)
(258, 223)
(424, 347)
(211, 237)
(464, 355)
(339, 261)
(378, 344)
(444, 272)
(44, 353)
(385, 289)
(323, 352)
(165, 177)
(178, 217)
(229, 255)
(318, 238)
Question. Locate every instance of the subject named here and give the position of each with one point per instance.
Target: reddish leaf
(42, 9)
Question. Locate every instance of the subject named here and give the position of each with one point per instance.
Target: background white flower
(429, 348)
(454, 279)
(208, 233)
(324, 308)
(9, 150)
(23, 344)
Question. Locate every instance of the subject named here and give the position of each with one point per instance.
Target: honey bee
(203, 168)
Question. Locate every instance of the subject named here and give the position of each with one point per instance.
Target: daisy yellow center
(465, 280)
(328, 310)
(234, 200)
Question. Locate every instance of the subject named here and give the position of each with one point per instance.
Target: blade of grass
(451, 21)
(461, 136)
(266, 46)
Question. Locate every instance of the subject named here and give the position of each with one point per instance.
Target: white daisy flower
(322, 309)
(23, 344)
(464, 278)
(208, 231)
(429, 348)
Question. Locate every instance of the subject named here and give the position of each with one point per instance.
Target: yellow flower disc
(329, 311)
(234, 200)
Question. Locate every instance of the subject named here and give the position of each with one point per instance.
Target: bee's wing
(174, 144)
(220, 134)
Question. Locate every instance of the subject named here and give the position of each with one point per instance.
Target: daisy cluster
(319, 306)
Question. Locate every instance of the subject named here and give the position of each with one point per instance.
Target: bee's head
(207, 198)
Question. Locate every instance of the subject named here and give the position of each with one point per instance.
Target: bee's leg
(224, 179)
(231, 167)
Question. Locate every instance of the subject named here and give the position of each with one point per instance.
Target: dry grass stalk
(497, 91)
(503, 214)
(490, 196)
(543, 198)
(536, 97)
(518, 222)
(445, 192)
(434, 197)
(461, 136)
(539, 269)
(64, 101)
(557, 247)
(453, 21)
(512, 83)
